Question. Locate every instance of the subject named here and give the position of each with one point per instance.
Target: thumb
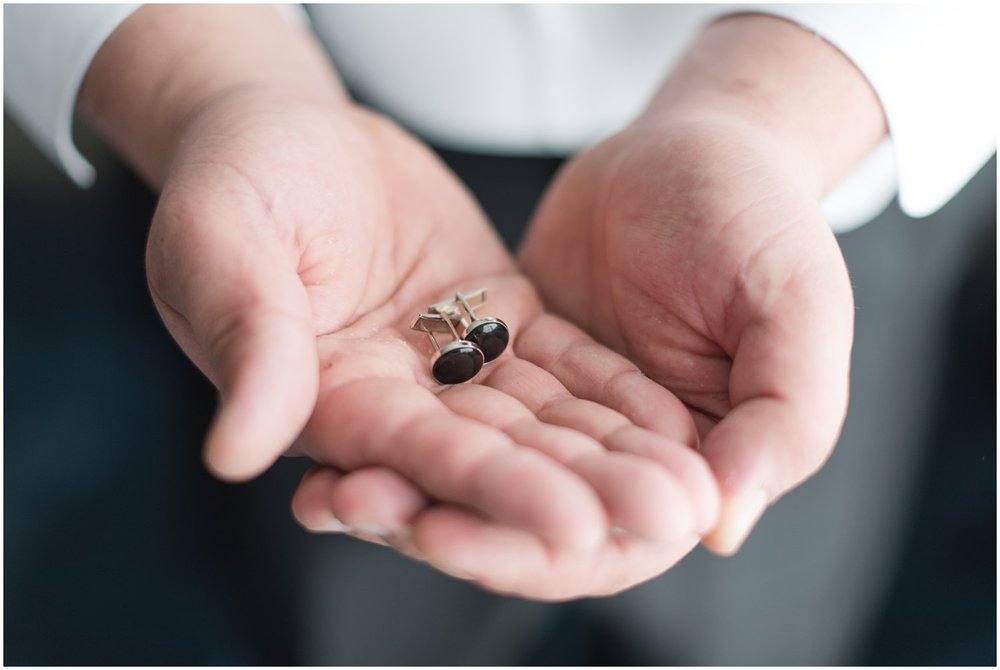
(239, 310)
(789, 390)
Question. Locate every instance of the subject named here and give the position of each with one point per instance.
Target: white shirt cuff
(47, 50)
(934, 69)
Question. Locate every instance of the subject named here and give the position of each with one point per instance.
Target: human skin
(295, 239)
(693, 243)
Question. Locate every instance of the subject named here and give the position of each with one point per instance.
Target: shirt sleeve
(934, 69)
(47, 50)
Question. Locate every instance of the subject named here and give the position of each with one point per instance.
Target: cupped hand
(693, 244)
(292, 247)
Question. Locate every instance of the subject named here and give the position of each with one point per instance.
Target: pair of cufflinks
(475, 340)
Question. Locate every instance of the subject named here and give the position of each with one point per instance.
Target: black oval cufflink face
(488, 333)
(473, 344)
(457, 362)
(491, 335)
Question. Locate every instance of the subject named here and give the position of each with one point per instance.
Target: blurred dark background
(120, 549)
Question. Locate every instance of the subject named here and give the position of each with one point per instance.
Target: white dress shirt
(552, 79)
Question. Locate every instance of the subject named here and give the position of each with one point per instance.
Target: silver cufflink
(475, 340)
(456, 362)
(488, 333)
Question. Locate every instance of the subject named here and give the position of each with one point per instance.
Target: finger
(512, 562)
(639, 497)
(369, 503)
(789, 389)
(311, 502)
(403, 426)
(688, 468)
(553, 404)
(378, 505)
(237, 307)
(592, 371)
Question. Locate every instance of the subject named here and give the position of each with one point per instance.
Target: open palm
(293, 246)
(695, 247)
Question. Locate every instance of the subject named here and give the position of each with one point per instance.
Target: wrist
(783, 83)
(167, 66)
(249, 114)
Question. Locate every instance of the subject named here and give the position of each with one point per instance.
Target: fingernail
(457, 573)
(334, 526)
(741, 516)
(401, 538)
(372, 529)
